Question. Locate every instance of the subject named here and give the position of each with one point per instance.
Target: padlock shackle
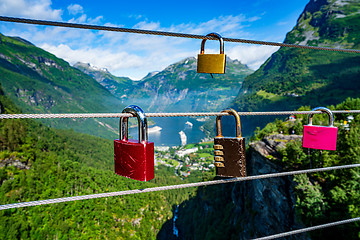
(325, 110)
(237, 119)
(137, 112)
(218, 36)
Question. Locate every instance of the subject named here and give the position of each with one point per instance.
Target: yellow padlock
(212, 63)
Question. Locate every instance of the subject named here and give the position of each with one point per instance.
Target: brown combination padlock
(229, 152)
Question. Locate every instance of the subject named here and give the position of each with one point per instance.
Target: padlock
(211, 63)
(320, 137)
(134, 158)
(229, 152)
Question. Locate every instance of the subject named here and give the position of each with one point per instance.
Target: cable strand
(171, 187)
(188, 114)
(169, 34)
(303, 230)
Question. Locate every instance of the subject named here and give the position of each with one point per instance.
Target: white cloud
(96, 56)
(282, 23)
(118, 61)
(136, 16)
(252, 55)
(39, 9)
(81, 19)
(253, 19)
(229, 26)
(148, 25)
(96, 20)
(75, 9)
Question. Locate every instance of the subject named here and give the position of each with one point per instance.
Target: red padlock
(134, 159)
(320, 137)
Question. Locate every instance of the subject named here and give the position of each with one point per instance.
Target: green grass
(268, 95)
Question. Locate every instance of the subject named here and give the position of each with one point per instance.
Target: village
(186, 159)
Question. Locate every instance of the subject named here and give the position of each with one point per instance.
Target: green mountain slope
(183, 75)
(180, 88)
(37, 162)
(291, 78)
(38, 82)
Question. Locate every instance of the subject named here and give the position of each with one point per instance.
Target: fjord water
(169, 134)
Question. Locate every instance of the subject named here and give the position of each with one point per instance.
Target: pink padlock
(320, 137)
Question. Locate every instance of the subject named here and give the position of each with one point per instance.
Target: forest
(38, 162)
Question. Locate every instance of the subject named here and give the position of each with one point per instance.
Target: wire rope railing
(188, 114)
(308, 229)
(164, 33)
(172, 187)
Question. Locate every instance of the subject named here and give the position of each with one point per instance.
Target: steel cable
(171, 187)
(193, 114)
(163, 33)
(303, 230)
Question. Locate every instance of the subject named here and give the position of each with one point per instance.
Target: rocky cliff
(268, 204)
(243, 210)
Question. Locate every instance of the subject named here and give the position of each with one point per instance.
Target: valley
(72, 157)
(177, 88)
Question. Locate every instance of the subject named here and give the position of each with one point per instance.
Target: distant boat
(183, 138)
(189, 124)
(154, 129)
(202, 119)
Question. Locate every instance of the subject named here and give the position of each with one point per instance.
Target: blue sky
(135, 55)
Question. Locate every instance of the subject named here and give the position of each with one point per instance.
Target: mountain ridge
(180, 87)
(105, 78)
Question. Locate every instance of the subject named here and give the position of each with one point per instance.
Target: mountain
(39, 82)
(116, 85)
(293, 77)
(176, 88)
(180, 88)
